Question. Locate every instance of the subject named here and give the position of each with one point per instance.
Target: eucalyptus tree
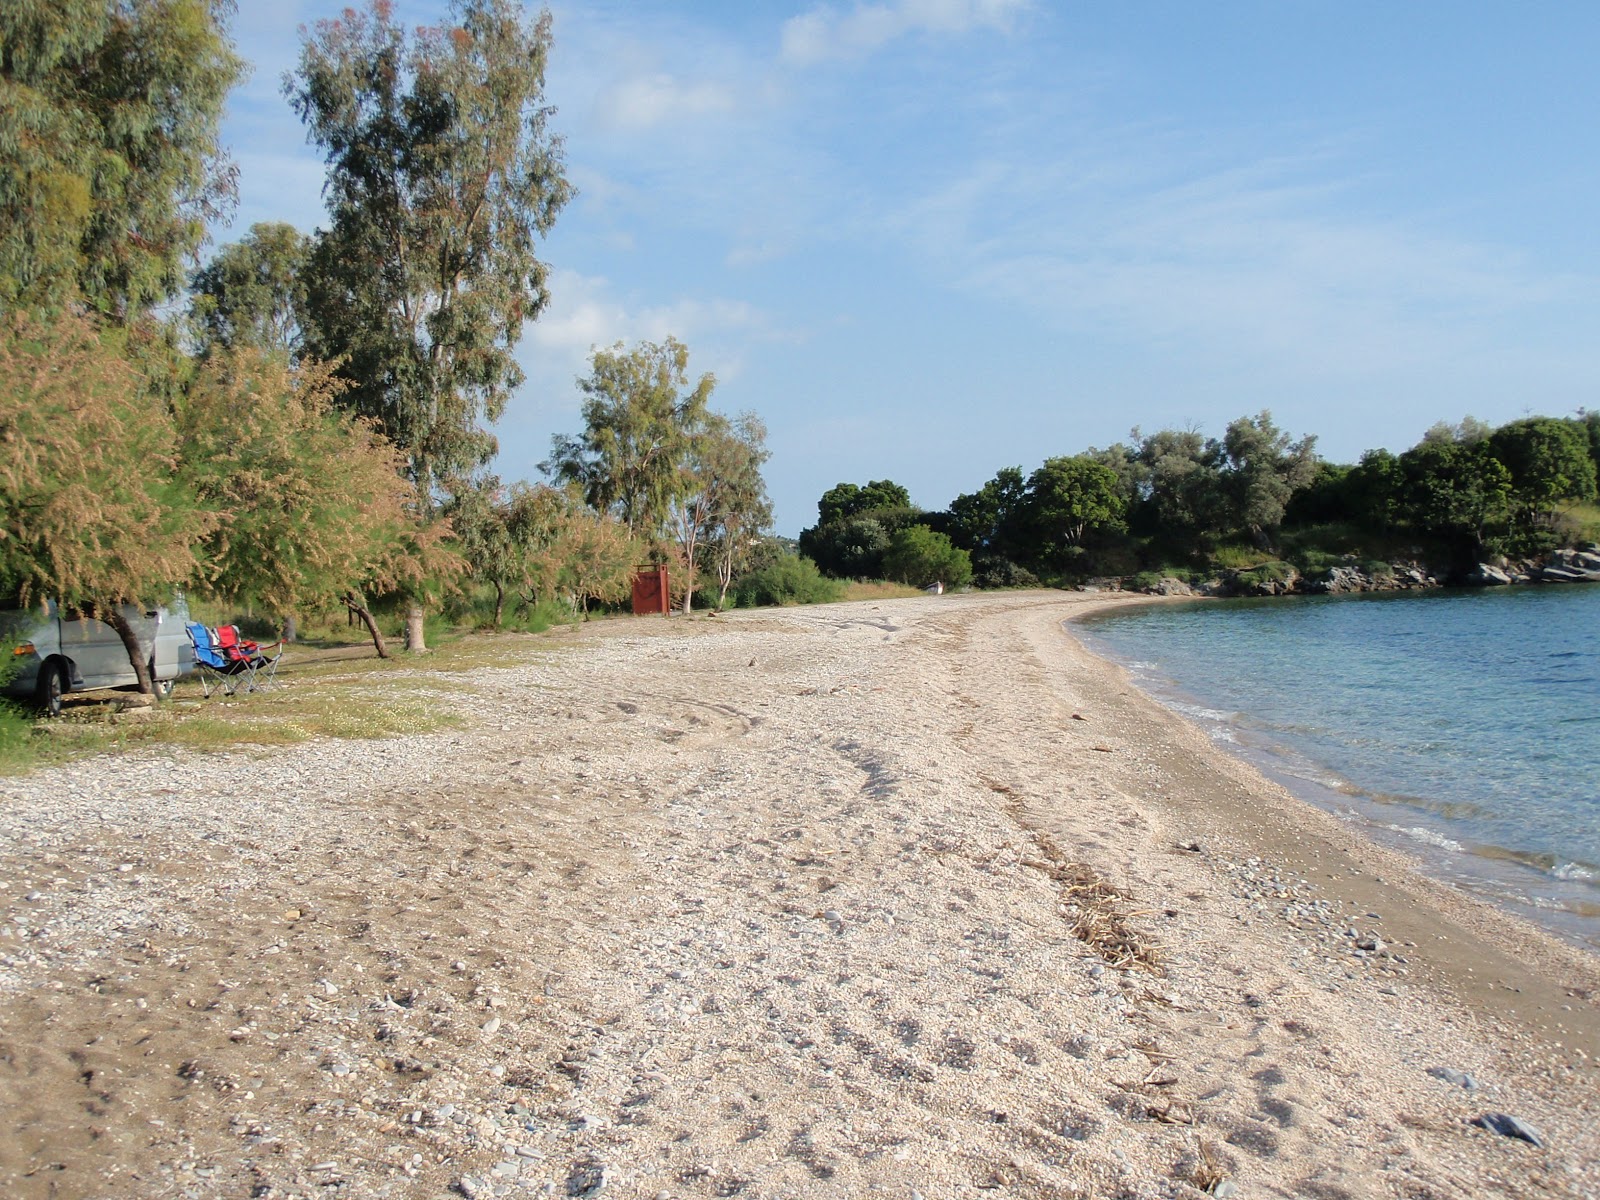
(641, 419)
(443, 175)
(252, 292)
(723, 504)
(743, 510)
(110, 155)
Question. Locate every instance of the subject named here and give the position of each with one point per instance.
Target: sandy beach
(910, 898)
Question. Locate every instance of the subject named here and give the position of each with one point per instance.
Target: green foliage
(1456, 489)
(988, 519)
(310, 500)
(442, 175)
(1261, 468)
(856, 526)
(725, 507)
(846, 500)
(920, 557)
(640, 425)
(1269, 572)
(1549, 462)
(992, 573)
(252, 294)
(1068, 499)
(792, 579)
(1237, 556)
(852, 548)
(110, 158)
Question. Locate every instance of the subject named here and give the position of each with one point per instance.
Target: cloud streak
(825, 33)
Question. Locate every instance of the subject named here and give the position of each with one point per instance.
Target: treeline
(1176, 501)
(311, 428)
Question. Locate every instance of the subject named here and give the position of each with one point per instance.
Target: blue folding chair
(216, 672)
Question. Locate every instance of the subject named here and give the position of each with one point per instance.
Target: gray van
(61, 653)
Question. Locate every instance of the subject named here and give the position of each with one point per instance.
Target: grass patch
(1238, 556)
(879, 589)
(343, 692)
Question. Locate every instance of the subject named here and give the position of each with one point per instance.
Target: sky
(925, 240)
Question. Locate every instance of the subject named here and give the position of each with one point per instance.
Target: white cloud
(826, 33)
(646, 101)
(1267, 264)
(584, 314)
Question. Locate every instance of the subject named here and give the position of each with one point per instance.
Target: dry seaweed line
(1094, 907)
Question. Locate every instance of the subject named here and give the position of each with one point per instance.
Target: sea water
(1464, 725)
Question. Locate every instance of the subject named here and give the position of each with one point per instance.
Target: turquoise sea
(1462, 725)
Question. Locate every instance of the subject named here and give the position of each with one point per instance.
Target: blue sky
(928, 239)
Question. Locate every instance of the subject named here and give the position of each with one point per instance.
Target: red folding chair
(258, 667)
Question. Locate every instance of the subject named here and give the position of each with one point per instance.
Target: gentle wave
(1422, 710)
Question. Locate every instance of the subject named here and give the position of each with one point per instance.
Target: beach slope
(909, 898)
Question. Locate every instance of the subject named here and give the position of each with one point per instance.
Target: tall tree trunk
(355, 609)
(111, 614)
(499, 602)
(416, 641)
(290, 630)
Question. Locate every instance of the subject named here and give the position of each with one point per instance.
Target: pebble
(1225, 1189)
(1459, 1078)
(491, 1026)
(1508, 1126)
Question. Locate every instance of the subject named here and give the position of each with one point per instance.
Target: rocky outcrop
(1569, 566)
(1351, 577)
(1168, 586)
(1580, 565)
(1487, 575)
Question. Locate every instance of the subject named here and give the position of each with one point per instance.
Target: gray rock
(1225, 1189)
(589, 1179)
(1508, 1126)
(1488, 575)
(1566, 575)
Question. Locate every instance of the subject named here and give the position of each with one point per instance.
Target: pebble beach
(911, 898)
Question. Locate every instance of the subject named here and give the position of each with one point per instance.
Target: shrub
(1271, 572)
(1238, 556)
(1144, 581)
(1003, 573)
(919, 556)
(792, 579)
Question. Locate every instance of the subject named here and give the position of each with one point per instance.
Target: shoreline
(800, 903)
(1466, 866)
(1374, 874)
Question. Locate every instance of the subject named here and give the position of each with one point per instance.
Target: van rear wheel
(52, 684)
